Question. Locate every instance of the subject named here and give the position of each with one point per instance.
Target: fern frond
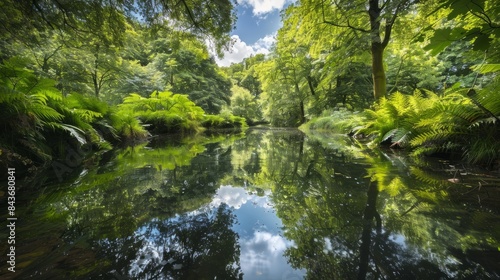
(104, 127)
(490, 97)
(485, 121)
(132, 98)
(398, 104)
(38, 98)
(75, 132)
(486, 68)
(45, 113)
(87, 115)
(389, 134)
(53, 94)
(401, 138)
(431, 136)
(426, 177)
(8, 95)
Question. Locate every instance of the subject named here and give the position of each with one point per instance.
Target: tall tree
(372, 19)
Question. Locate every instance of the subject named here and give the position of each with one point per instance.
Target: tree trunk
(377, 49)
(311, 86)
(96, 83)
(302, 109)
(302, 113)
(378, 72)
(96, 73)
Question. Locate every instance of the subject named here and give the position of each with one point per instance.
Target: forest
(364, 144)
(91, 75)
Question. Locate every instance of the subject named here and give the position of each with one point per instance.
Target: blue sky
(258, 21)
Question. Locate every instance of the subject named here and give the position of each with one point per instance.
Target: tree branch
(190, 13)
(390, 23)
(42, 14)
(486, 18)
(340, 25)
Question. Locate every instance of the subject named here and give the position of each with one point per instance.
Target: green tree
(106, 19)
(244, 104)
(475, 21)
(187, 68)
(372, 20)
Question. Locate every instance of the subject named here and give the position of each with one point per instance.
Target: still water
(267, 204)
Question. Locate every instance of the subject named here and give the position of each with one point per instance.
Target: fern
(430, 123)
(88, 116)
(45, 113)
(38, 117)
(74, 132)
(401, 138)
(432, 137)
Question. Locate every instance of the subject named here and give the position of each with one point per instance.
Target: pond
(266, 204)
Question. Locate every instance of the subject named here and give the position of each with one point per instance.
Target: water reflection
(261, 241)
(389, 226)
(274, 204)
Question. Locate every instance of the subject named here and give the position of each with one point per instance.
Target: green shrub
(339, 121)
(451, 123)
(224, 121)
(164, 112)
(129, 128)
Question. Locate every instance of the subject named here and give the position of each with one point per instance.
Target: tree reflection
(359, 214)
(350, 213)
(99, 213)
(369, 215)
(190, 246)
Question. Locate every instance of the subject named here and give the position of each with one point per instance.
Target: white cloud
(241, 50)
(260, 7)
(264, 44)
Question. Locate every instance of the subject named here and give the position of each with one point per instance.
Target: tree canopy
(107, 19)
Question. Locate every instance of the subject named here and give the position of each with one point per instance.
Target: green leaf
(75, 132)
(482, 42)
(486, 68)
(440, 40)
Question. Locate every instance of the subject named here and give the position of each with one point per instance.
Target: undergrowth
(39, 124)
(340, 121)
(459, 122)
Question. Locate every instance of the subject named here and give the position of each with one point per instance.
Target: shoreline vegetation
(452, 125)
(42, 125)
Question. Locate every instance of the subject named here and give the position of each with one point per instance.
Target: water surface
(270, 204)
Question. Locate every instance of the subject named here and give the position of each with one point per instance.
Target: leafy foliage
(107, 21)
(338, 121)
(168, 112)
(452, 123)
(39, 124)
(244, 104)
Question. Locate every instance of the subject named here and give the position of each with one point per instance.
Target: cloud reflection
(237, 196)
(259, 228)
(262, 257)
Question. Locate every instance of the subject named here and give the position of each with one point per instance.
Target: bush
(340, 121)
(452, 123)
(224, 121)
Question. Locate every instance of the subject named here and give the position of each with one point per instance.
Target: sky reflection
(262, 245)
